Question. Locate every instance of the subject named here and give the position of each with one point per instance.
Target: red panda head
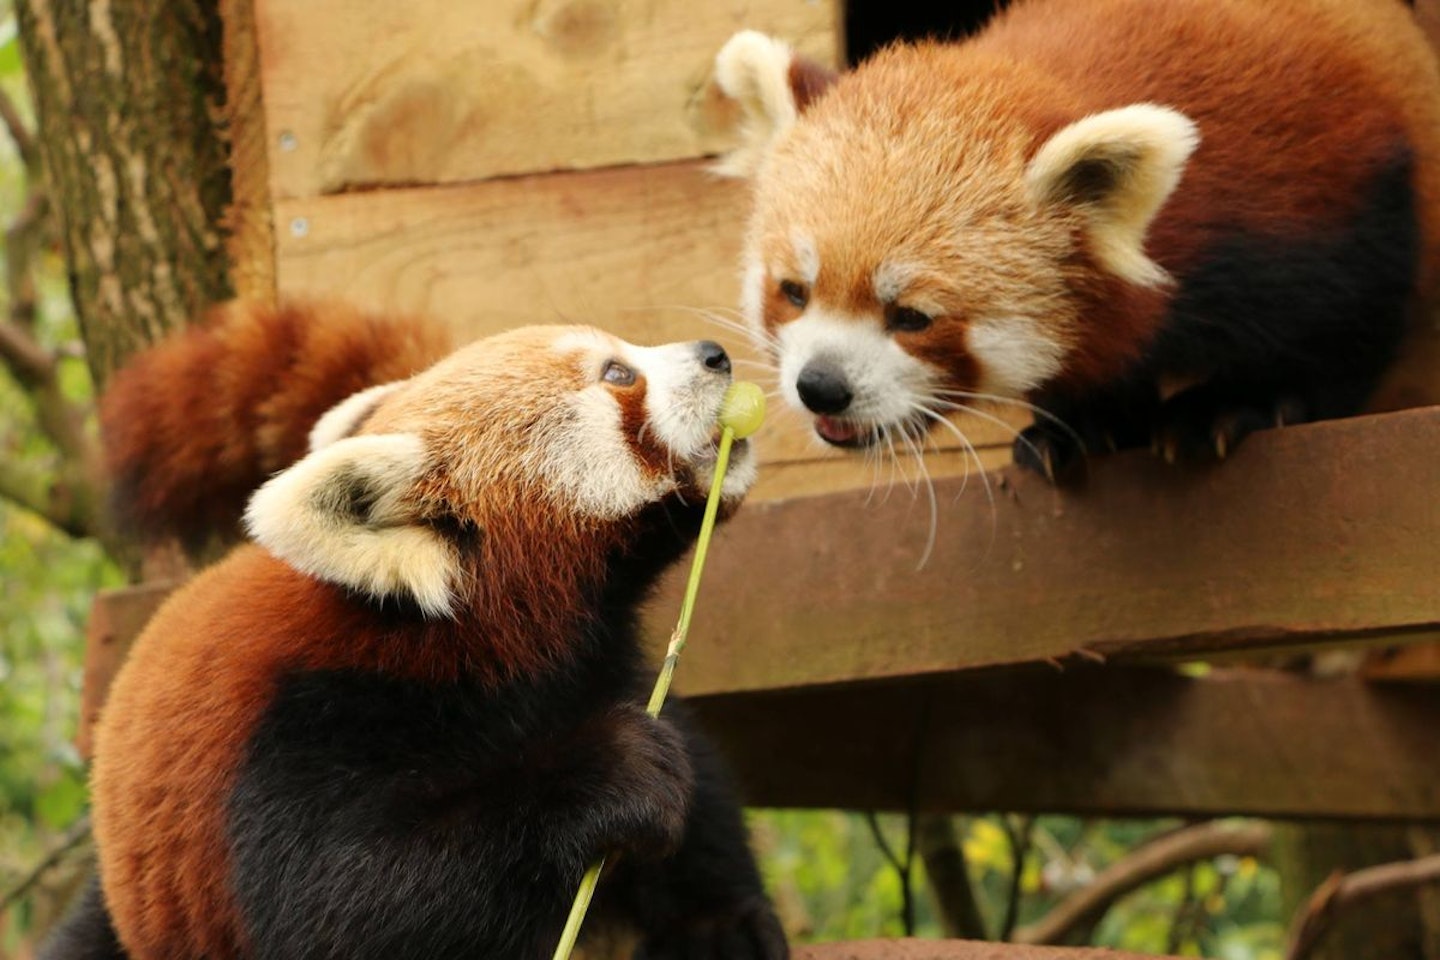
(506, 475)
(930, 226)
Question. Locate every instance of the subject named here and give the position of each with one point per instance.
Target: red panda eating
(404, 720)
(1157, 222)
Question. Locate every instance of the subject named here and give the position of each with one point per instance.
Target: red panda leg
(1072, 428)
(1208, 421)
(377, 818)
(707, 899)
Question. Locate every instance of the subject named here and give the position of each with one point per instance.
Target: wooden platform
(1309, 535)
(953, 950)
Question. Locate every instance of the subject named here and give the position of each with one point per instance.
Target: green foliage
(830, 881)
(46, 583)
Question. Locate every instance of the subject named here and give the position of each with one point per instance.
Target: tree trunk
(1397, 925)
(129, 97)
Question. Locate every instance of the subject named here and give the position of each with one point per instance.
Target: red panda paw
(1056, 454)
(1206, 423)
(651, 788)
(751, 932)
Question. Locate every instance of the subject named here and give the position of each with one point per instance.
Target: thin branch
(904, 868)
(79, 831)
(1148, 862)
(21, 134)
(72, 498)
(30, 363)
(1343, 891)
(1019, 838)
(1181, 922)
(949, 877)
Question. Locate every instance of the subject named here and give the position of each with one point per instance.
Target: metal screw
(299, 227)
(288, 142)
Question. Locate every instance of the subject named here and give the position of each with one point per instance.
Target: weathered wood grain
(366, 92)
(1090, 740)
(1311, 533)
(638, 250)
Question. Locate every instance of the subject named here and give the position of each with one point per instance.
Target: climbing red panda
(1164, 222)
(405, 719)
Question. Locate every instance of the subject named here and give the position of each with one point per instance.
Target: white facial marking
(891, 278)
(345, 417)
(590, 462)
(1015, 354)
(752, 298)
(807, 256)
(307, 516)
(885, 380)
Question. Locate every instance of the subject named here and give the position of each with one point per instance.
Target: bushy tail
(193, 425)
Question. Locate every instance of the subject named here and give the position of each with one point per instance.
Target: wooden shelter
(506, 162)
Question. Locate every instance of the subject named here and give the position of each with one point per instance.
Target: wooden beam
(954, 950)
(363, 93)
(1107, 741)
(116, 619)
(1308, 534)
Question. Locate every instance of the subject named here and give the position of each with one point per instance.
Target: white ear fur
(341, 514)
(1119, 167)
(341, 420)
(754, 70)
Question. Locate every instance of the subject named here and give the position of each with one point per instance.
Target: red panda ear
(343, 419)
(1118, 168)
(773, 86)
(346, 514)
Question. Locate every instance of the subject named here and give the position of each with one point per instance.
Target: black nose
(713, 356)
(823, 388)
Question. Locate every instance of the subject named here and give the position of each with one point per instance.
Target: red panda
(1162, 222)
(405, 719)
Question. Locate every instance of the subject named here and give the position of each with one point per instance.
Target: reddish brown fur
(207, 666)
(1352, 77)
(193, 426)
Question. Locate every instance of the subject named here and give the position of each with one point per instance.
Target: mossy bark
(130, 97)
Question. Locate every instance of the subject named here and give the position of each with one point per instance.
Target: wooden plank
(249, 226)
(1297, 538)
(1416, 661)
(955, 950)
(372, 92)
(116, 619)
(1103, 741)
(635, 250)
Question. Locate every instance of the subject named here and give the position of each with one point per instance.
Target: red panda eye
(618, 374)
(796, 293)
(907, 319)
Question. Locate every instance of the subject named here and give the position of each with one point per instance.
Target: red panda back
(1341, 83)
(193, 425)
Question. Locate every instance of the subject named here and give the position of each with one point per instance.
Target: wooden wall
(502, 162)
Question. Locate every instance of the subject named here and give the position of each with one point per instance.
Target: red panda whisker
(974, 455)
(990, 418)
(1012, 401)
(918, 452)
